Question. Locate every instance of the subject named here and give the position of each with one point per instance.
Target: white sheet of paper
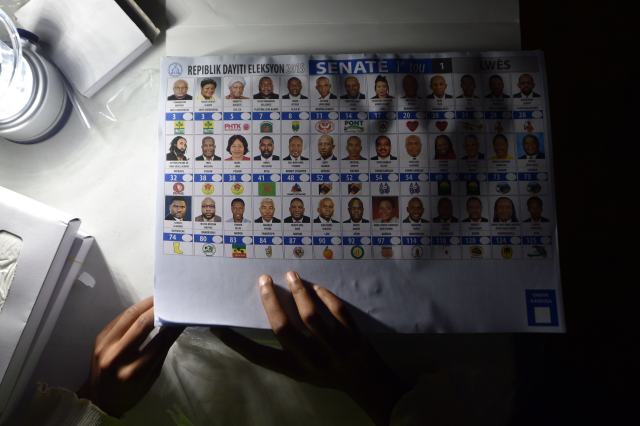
(460, 287)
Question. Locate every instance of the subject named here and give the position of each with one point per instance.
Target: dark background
(585, 376)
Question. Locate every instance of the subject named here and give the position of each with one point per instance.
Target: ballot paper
(417, 187)
(43, 251)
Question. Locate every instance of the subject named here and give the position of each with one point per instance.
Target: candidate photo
(296, 212)
(180, 91)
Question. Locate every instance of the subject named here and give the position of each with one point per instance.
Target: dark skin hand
(121, 371)
(326, 350)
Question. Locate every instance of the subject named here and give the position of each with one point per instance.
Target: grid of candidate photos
(447, 163)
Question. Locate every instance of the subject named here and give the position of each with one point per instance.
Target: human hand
(325, 350)
(121, 371)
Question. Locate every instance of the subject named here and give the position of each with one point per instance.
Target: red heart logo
(412, 125)
(442, 125)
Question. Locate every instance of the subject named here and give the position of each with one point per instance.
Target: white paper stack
(50, 254)
(91, 41)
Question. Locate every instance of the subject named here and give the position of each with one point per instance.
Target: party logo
(237, 188)
(239, 250)
(325, 126)
(357, 252)
(266, 127)
(209, 249)
(208, 188)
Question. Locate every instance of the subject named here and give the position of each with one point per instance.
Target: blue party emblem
(175, 69)
(384, 188)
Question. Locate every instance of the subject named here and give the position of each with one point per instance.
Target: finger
(306, 306)
(127, 318)
(148, 362)
(137, 332)
(129, 343)
(264, 356)
(336, 307)
(109, 334)
(286, 333)
(107, 328)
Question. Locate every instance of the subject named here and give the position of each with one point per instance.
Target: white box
(91, 41)
(49, 262)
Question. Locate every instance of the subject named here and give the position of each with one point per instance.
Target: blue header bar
(319, 115)
(528, 115)
(532, 176)
(262, 177)
(293, 177)
(201, 116)
(174, 177)
(409, 177)
(496, 177)
(261, 116)
(290, 115)
(323, 241)
(353, 177)
(320, 177)
(293, 241)
(471, 240)
(407, 115)
(172, 116)
(200, 238)
(229, 177)
(378, 66)
(534, 240)
(382, 241)
(352, 241)
(441, 241)
(349, 115)
(233, 115)
(234, 239)
(437, 115)
(382, 115)
(379, 177)
(500, 240)
(264, 241)
(204, 177)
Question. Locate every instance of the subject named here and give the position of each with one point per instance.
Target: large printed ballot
(41, 253)
(417, 187)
